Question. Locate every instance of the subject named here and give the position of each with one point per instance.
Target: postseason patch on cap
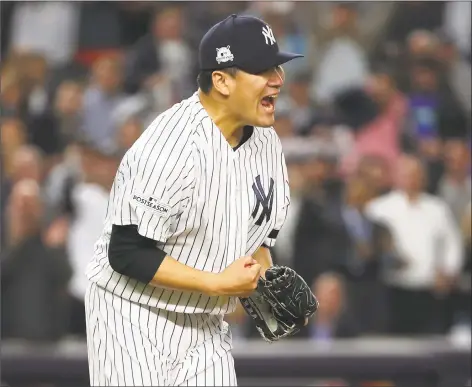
(152, 204)
(224, 54)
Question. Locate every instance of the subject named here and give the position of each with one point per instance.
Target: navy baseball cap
(245, 42)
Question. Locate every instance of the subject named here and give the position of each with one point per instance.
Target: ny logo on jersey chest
(264, 200)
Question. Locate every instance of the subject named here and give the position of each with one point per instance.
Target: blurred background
(375, 125)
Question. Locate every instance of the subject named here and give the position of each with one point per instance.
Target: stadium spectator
(422, 44)
(332, 320)
(386, 127)
(34, 275)
(11, 95)
(428, 241)
(35, 75)
(161, 61)
(101, 99)
(456, 71)
(457, 23)
(315, 19)
(435, 115)
(41, 127)
(455, 184)
(285, 253)
(377, 173)
(433, 111)
(342, 62)
(128, 133)
(67, 111)
(318, 211)
(13, 136)
(135, 17)
(89, 200)
(47, 28)
(283, 123)
(301, 106)
(325, 132)
(364, 249)
(26, 163)
(408, 17)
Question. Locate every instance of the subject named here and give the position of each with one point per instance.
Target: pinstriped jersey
(203, 202)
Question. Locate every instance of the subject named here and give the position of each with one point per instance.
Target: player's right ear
(221, 82)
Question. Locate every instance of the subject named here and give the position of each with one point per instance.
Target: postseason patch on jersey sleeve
(151, 203)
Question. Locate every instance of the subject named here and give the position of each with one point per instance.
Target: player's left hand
(281, 304)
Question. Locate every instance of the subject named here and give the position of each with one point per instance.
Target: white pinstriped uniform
(205, 204)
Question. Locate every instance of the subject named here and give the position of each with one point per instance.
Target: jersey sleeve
(283, 201)
(154, 185)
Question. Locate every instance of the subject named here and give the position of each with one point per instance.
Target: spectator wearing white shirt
(343, 62)
(428, 240)
(457, 23)
(46, 27)
(89, 199)
(77, 197)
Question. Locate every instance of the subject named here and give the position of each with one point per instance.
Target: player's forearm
(137, 257)
(175, 275)
(263, 258)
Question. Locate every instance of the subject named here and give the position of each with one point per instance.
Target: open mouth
(268, 103)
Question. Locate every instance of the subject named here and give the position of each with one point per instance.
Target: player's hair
(205, 81)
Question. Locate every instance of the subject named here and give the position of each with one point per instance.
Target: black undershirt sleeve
(134, 255)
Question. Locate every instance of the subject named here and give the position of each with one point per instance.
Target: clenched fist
(238, 279)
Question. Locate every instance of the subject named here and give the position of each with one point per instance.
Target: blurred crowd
(374, 122)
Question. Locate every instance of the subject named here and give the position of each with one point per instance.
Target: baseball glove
(280, 304)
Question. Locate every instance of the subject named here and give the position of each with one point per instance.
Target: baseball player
(196, 203)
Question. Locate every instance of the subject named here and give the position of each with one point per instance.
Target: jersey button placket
(238, 208)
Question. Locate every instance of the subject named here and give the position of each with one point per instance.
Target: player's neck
(230, 126)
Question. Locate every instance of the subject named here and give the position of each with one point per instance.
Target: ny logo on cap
(268, 35)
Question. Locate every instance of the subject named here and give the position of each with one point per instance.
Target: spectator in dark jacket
(161, 62)
(364, 248)
(34, 273)
(306, 241)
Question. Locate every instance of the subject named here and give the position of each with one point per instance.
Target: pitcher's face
(252, 97)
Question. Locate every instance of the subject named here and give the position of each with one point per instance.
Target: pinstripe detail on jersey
(164, 349)
(184, 162)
